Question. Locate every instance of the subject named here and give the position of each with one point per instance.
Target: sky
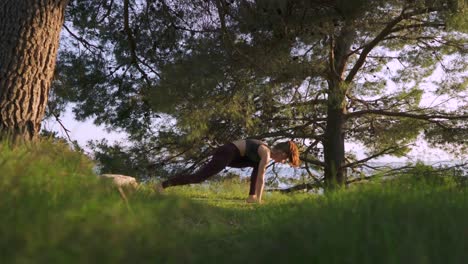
(82, 132)
(85, 131)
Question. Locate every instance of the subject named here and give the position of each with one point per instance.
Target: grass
(53, 209)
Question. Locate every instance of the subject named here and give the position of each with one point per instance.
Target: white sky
(81, 131)
(85, 131)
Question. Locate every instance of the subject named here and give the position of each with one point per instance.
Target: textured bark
(29, 40)
(334, 150)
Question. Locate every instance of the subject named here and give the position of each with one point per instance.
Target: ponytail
(293, 154)
(291, 149)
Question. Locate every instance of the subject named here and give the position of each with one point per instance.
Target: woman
(241, 154)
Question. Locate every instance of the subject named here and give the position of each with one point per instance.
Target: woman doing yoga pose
(241, 154)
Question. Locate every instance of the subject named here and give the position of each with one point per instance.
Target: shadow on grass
(55, 210)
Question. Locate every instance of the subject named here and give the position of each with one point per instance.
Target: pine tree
(29, 40)
(320, 72)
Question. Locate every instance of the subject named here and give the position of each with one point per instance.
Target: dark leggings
(225, 156)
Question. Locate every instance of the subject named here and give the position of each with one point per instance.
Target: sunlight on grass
(53, 209)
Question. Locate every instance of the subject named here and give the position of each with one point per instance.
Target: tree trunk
(29, 40)
(334, 149)
(333, 144)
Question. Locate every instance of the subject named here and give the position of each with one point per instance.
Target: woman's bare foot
(252, 199)
(158, 188)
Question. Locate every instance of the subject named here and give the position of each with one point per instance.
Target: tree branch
(132, 43)
(383, 152)
(83, 41)
(302, 186)
(109, 9)
(228, 40)
(63, 127)
(385, 32)
(428, 24)
(315, 162)
(404, 114)
(316, 180)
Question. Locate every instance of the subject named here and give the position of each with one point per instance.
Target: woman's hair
(290, 148)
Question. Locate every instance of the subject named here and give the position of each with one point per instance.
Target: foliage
(56, 210)
(221, 70)
(114, 159)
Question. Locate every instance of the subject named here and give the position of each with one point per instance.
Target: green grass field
(53, 209)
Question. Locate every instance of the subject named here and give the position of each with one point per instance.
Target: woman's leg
(221, 158)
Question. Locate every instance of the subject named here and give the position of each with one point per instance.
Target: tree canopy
(182, 77)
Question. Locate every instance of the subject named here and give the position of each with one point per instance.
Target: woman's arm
(264, 153)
